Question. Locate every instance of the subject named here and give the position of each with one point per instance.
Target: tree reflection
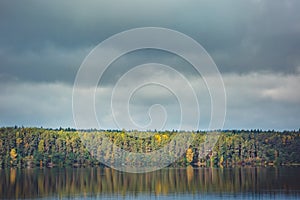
(58, 182)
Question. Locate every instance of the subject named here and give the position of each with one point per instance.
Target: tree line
(30, 147)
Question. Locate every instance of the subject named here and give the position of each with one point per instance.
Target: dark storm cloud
(47, 65)
(240, 36)
(43, 43)
(271, 40)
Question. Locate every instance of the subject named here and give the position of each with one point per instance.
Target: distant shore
(38, 147)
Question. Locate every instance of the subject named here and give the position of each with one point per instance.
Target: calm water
(189, 183)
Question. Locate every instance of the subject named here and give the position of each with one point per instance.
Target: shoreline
(170, 167)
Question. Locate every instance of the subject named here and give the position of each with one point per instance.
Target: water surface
(170, 183)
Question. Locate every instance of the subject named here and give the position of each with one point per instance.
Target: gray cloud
(42, 44)
(42, 104)
(47, 65)
(241, 36)
(267, 101)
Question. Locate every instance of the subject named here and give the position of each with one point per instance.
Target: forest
(39, 147)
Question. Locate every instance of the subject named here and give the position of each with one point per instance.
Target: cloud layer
(267, 101)
(255, 44)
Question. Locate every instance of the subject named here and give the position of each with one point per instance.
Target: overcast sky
(255, 45)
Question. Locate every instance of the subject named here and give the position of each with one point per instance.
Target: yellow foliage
(123, 135)
(13, 154)
(18, 141)
(189, 155)
(165, 137)
(221, 160)
(41, 146)
(157, 138)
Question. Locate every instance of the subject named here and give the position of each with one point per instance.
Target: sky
(255, 44)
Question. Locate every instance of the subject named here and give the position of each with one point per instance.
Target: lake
(169, 183)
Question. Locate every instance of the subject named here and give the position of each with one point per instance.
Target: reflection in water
(31, 183)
